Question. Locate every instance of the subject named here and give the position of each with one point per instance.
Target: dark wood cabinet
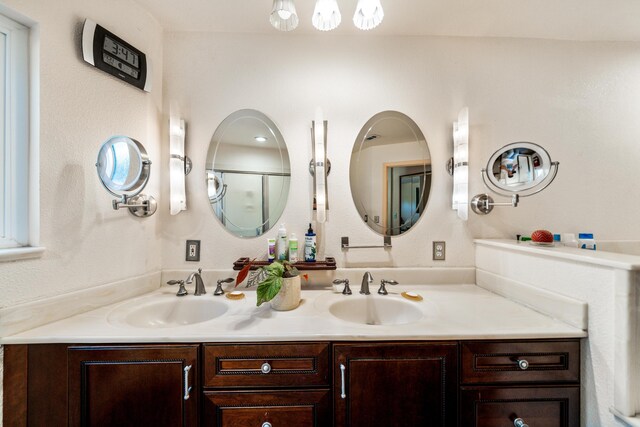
(133, 385)
(243, 385)
(534, 380)
(310, 384)
(266, 365)
(395, 384)
(541, 406)
(299, 408)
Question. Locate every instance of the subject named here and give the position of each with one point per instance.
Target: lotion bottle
(281, 244)
(310, 245)
(293, 248)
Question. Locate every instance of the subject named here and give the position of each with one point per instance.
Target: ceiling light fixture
(260, 139)
(283, 15)
(369, 14)
(326, 15)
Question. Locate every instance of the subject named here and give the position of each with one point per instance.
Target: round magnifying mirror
(248, 173)
(390, 173)
(123, 166)
(522, 168)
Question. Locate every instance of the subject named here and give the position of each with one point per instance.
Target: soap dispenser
(281, 244)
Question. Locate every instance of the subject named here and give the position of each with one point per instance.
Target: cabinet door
(133, 385)
(275, 408)
(537, 406)
(395, 384)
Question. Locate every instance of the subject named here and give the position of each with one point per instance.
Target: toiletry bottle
(586, 241)
(281, 244)
(310, 245)
(293, 248)
(569, 240)
(271, 250)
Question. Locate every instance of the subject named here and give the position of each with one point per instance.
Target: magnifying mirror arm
(139, 205)
(483, 204)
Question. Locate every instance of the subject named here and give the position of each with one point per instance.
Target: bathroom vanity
(459, 363)
(444, 383)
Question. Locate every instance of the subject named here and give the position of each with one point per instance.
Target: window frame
(20, 169)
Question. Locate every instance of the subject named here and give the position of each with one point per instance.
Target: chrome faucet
(367, 279)
(383, 289)
(219, 290)
(347, 289)
(200, 290)
(182, 291)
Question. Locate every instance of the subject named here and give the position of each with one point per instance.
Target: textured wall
(579, 100)
(80, 107)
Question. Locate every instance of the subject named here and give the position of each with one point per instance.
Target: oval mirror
(390, 173)
(123, 166)
(248, 173)
(522, 168)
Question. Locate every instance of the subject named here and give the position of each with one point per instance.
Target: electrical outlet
(193, 250)
(439, 251)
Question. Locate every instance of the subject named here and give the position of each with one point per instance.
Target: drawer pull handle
(523, 364)
(519, 422)
(343, 393)
(268, 424)
(187, 389)
(265, 368)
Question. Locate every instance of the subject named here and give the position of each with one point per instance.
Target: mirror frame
(360, 142)
(210, 160)
(549, 167)
(142, 175)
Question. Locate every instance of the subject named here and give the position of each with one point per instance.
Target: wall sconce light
(320, 166)
(369, 14)
(283, 15)
(179, 165)
(459, 166)
(326, 15)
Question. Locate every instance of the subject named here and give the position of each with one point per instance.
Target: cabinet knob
(268, 424)
(519, 422)
(523, 364)
(266, 368)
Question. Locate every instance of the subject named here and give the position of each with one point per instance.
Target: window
(18, 183)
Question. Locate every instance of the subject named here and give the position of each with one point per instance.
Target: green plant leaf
(268, 289)
(275, 269)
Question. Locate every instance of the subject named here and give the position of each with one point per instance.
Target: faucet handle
(347, 289)
(182, 291)
(219, 290)
(383, 283)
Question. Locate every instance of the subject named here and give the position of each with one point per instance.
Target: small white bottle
(586, 241)
(281, 244)
(293, 248)
(569, 240)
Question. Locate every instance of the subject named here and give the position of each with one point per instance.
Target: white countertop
(607, 259)
(448, 312)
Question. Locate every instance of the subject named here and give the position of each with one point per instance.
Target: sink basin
(373, 310)
(169, 313)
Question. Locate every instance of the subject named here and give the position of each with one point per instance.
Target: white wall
(579, 100)
(81, 107)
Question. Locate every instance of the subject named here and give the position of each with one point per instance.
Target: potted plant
(278, 282)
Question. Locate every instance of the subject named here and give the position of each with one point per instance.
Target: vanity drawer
(520, 361)
(299, 408)
(557, 406)
(266, 365)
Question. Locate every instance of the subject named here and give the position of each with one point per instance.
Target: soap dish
(235, 295)
(412, 296)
